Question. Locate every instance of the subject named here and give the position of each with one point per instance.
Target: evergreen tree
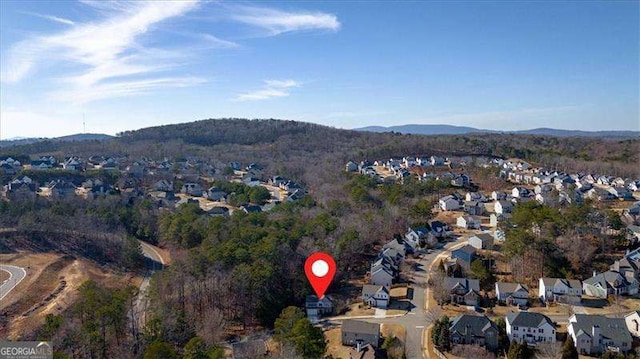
(569, 350)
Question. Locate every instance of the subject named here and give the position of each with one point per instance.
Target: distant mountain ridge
(69, 138)
(417, 129)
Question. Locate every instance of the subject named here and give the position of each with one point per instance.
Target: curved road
(16, 275)
(154, 262)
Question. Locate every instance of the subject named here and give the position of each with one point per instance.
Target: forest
(241, 274)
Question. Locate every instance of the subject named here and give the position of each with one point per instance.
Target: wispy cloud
(50, 17)
(271, 89)
(276, 22)
(109, 51)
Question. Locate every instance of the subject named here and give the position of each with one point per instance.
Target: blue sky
(496, 65)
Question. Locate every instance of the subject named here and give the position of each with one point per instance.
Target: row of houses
(591, 334)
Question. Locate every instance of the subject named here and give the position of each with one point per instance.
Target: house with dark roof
(465, 256)
(595, 334)
(481, 241)
(530, 327)
(463, 290)
(512, 293)
(316, 308)
(357, 331)
(609, 283)
(474, 330)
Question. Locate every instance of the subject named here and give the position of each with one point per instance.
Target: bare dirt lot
(51, 286)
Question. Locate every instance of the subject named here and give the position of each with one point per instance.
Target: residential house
(61, 189)
(474, 330)
(357, 331)
(474, 196)
(502, 207)
(449, 203)
(250, 180)
(420, 236)
(383, 272)
(216, 194)
(560, 290)
(20, 189)
(376, 296)
(460, 180)
(512, 293)
(520, 192)
(396, 249)
(595, 334)
(192, 189)
(633, 323)
(545, 188)
(164, 185)
(474, 208)
(547, 198)
(467, 222)
(530, 327)
(351, 167)
(609, 283)
(73, 164)
(498, 195)
(464, 255)
(621, 193)
(218, 211)
(463, 290)
(481, 241)
(436, 161)
(317, 308)
(600, 194)
(249, 208)
(440, 229)
(495, 218)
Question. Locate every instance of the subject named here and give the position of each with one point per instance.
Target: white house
(382, 274)
(503, 207)
(560, 290)
(530, 327)
(449, 203)
(512, 293)
(467, 222)
(376, 296)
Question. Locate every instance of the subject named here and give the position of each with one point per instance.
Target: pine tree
(569, 350)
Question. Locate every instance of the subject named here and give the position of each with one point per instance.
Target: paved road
(153, 262)
(415, 321)
(16, 275)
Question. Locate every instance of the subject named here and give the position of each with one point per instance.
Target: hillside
(461, 130)
(69, 138)
(306, 149)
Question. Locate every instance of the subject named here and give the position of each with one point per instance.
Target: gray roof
(358, 326)
(505, 287)
(469, 284)
(476, 324)
(484, 237)
(370, 289)
(611, 328)
(528, 319)
(608, 279)
(571, 283)
(466, 249)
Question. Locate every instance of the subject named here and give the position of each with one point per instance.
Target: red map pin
(320, 269)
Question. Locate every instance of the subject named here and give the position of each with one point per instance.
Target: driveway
(415, 321)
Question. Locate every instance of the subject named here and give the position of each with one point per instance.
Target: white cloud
(108, 51)
(271, 89)
(278, 21)
(50, 17)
